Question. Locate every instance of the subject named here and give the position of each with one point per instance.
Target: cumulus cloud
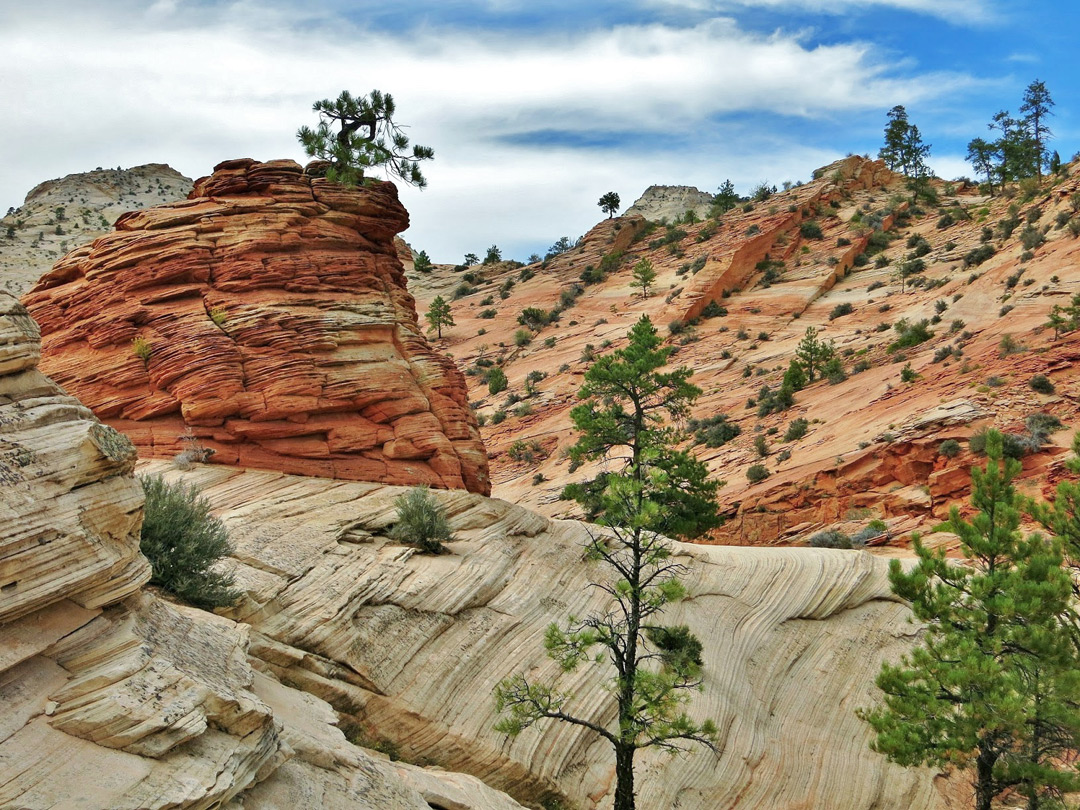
(193, 83)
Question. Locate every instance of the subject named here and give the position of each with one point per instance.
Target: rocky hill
(59, 215)
(264, 319)
(736, 294)
(670, 203)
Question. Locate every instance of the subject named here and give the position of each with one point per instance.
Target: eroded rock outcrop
(267, 318)
(408, 647)
(111, 696)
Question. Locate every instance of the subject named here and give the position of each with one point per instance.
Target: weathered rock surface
(408, 647)
(763, 276)
(273, 327)
(68, 211)
(111, 697)
(670, 203)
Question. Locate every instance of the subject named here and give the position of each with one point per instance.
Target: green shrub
(496, 380)
(757, 473)
(183, 541)
(979, 255)
(950, 448)
(421, 521)
(522, 337)
(761, 446)
(796, 430)
(1042, 384)
(830, 538)
(810, 230)
(714, 431)
(910, 334)
(840, 310)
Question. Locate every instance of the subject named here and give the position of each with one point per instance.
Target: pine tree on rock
(366, 138)
(609, 204)
(1036, 108)
(643, 275)
(439, 315)
(994, 687)
(656, 490)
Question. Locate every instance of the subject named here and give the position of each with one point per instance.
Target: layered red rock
(267, 318)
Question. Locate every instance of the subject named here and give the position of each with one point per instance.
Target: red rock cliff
(267, 315)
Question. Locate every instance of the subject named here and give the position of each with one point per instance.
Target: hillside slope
(822, 255)
(61, 214)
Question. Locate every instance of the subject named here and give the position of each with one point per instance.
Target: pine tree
(422, 262)
(367, 139)
(1036, 108)
(726, 198)
(982, 156)
(895, 133)
(655, 666)
(643, 276)
(813, 354)
(993, 687)
(439, 315)
(609, 204)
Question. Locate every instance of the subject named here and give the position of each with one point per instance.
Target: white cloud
(192, 84)
(964, 11)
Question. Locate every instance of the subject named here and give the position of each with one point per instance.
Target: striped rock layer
(265, 318)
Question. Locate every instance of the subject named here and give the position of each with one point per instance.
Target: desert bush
(950, 448)
(979, 255)
(757, 473)
(496, 380)
(910, 334)
(530, 452)
(183, 541)
(810, 230)
(796, 430)
(840, 310)
(830, 538)
(522, 337)
(421, 521)
(715, 431)
(1041, 383)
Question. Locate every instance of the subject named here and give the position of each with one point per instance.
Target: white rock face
(671, 202)
(408, 647)
(59, 215)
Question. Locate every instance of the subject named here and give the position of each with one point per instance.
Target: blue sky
(534, 109)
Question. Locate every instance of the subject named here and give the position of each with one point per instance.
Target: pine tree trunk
(624, 778)
(984, 780)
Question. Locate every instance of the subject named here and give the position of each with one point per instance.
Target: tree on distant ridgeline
(609, 204)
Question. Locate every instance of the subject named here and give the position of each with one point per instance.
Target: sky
(534, 108)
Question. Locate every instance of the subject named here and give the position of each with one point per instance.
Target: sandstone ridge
(733, 297)
(266, 318)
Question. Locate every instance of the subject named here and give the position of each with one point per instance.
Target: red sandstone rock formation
(274, 326)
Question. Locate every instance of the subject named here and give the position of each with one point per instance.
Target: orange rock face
(267, 317)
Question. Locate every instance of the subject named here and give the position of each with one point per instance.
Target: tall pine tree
(993, 688)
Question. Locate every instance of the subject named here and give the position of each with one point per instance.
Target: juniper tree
(994, 686)
(358, 134)
(654, 490)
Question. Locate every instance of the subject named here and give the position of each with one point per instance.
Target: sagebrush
(183, 542)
